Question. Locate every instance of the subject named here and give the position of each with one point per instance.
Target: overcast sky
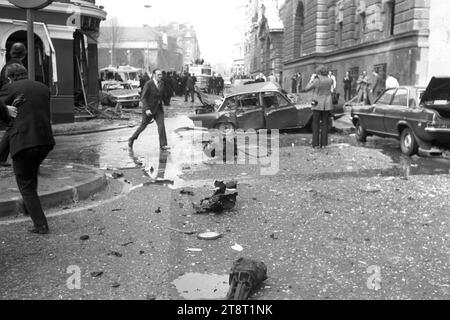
(214, 20)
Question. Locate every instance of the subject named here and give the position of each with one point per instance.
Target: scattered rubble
(246, 277)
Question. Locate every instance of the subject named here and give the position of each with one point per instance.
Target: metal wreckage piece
(246, 277)
(220, 201)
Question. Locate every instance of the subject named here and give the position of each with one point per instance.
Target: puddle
(198, 286)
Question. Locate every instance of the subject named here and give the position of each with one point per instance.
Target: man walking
(30, 138)
(17, 54)
(152, 109)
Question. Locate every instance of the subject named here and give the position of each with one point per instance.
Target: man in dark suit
(30, 138)
(152, 109)
(190, 88)
(17, 54)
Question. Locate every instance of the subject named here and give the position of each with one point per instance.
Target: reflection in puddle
(197, 286)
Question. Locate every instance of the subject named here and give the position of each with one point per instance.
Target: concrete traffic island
(59, 183)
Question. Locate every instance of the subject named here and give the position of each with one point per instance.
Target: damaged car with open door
(418, 117)
(256, 106)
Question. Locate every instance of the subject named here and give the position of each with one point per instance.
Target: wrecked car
(122, 93)
(261, 105)
(418, 117)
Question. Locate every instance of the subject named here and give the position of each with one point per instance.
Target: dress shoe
(39, 230)
(165, 148)
(130, 143)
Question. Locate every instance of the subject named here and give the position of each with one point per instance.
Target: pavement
(59, 183)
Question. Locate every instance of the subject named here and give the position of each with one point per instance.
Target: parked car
(418, 117)
(261, 105)
(122, 92)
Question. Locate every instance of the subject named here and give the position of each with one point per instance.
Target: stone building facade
(66, 35)
(263, 38)
(408, 38)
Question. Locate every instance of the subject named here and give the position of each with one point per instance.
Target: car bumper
(437, 130)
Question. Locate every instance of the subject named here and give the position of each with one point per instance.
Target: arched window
(299, 25)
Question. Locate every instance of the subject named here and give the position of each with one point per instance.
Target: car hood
(438, 89)
(124, 92)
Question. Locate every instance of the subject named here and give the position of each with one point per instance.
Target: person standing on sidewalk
(190, 88)
(18, 53)
(152, 109)
(30, 138)
(347, 86)
(321, 106)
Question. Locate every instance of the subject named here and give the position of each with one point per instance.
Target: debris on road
(246, 277)
(117, 175)
(115, 285)
(96, 274)
(194, 250)
(217, 203)
(188, 232)
(220, 201)
(237, 247)
(158, 210)
(84, 238)
(209, 235)
(127, 244)
(187, 192)
(115, 253)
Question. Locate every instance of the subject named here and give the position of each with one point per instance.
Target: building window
(390, 18)
(340, 28)
(299, 25)
(362, 26)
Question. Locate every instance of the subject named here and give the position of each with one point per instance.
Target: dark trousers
(320, 128)
(26, 166)
(4, 147)
(186, 95)
(347, 94)
(159, 119)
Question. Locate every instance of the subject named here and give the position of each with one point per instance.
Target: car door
(279, 111)
(396, 111)
(250, 113)
(374, 120)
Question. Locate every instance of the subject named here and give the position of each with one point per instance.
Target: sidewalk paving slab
(59, 183)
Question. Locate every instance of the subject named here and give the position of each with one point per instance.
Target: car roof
(254, 87)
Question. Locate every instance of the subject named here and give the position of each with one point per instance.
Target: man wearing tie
(152, 109)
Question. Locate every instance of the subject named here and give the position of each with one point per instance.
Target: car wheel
(226, 128)
(408, 142)
(361, 133)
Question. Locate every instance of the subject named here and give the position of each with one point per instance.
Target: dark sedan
(418, 117)
(261, 105)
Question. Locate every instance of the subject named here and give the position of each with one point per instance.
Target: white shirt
(333, 86)
(391, 82)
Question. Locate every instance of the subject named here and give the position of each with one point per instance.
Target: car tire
(408, 142)
(226, 128)
(361, 133)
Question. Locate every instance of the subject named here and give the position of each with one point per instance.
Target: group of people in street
(296, 82)
(368, 89)
(25, 110)
(216, 85)
(175, 84)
